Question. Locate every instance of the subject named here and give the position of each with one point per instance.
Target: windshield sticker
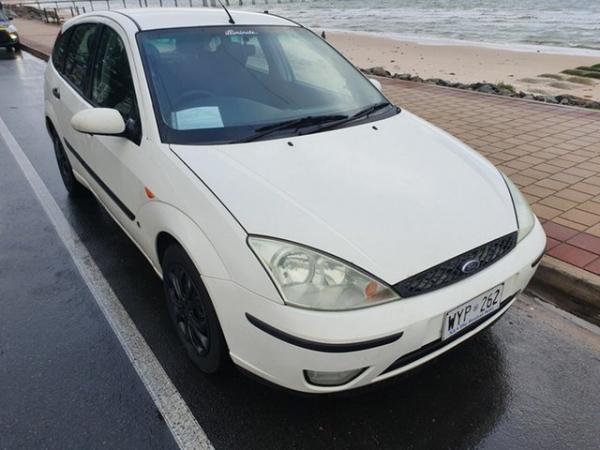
(198, 118)
(240, 33)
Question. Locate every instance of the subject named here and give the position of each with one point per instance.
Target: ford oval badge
(470, 266)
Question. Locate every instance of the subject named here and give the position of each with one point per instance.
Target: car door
(117, 160)
(54, 79)
(69, 92)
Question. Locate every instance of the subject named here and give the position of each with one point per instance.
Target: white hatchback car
(303, 226)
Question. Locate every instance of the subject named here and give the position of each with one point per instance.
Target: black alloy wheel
(192, 312)
(74, 188)
(187, 310)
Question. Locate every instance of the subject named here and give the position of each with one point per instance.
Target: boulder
(378, 71)
(436, 81)
(549, 99)
(506, 92)
(403, 76)
(487, 89)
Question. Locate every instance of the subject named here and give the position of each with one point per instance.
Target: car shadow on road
(452, 402)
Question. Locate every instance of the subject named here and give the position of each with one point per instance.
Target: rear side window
(112, 85)
(78, 54)
(60, 50)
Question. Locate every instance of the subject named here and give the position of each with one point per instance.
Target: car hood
(394, 197)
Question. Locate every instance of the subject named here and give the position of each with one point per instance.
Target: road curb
(569, 287)
(34, 51)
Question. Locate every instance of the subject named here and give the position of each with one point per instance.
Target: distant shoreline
(434, 41)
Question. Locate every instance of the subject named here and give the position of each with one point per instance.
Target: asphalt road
(531, 381)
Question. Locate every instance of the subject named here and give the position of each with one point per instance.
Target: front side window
(78, 54)
(230, 83)
(60, 50)
(112, 85)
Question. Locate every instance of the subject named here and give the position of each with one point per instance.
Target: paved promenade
(552, 152)
(37, 35)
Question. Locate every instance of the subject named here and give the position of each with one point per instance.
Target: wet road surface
(531, 381)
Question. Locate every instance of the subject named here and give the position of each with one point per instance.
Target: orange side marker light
(149, 193)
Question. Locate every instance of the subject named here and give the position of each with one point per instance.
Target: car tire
(74, 187)
(192, 312)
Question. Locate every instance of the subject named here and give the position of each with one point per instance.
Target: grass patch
(576, 72)
(553, 76)
(589, 68)
(580, 80)
(583, 73)
(595, 75)
(508, 87)
(596, 66)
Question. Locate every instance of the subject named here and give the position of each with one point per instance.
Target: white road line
(183, 425)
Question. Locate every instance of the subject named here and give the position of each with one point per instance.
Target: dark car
(9, 38)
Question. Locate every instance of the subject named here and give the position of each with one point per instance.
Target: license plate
(468, 313)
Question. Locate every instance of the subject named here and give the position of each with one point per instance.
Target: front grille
(450, 272)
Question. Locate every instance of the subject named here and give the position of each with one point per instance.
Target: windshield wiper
(294, 124)
(359, 115)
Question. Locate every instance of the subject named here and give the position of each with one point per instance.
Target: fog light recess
(330, 379)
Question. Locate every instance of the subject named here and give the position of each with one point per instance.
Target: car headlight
(525, 217)
(309, 279)
(12, 29)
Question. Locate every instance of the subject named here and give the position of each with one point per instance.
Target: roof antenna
(231, 21)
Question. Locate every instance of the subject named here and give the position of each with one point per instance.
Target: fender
(156, 217)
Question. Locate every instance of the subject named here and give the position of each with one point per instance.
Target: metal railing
(58, 10)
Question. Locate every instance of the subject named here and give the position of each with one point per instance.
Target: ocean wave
(559, 23)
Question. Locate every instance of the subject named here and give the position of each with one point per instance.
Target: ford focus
(304, 227)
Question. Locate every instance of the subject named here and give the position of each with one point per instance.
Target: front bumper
(387, 339)
(8, 39)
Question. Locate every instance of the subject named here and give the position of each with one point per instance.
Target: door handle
(56, 93)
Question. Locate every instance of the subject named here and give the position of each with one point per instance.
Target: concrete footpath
(552, 152)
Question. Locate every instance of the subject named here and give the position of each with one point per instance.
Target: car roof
(159, 18)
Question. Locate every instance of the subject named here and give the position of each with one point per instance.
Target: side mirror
(376, 83)
(101, 121)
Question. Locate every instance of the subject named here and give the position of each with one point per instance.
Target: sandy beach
(469, 64)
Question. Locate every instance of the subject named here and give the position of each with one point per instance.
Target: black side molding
(319, 346)
(101, 183)
(538, 259)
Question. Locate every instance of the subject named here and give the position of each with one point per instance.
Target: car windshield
(3, 17)
(240, 83)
